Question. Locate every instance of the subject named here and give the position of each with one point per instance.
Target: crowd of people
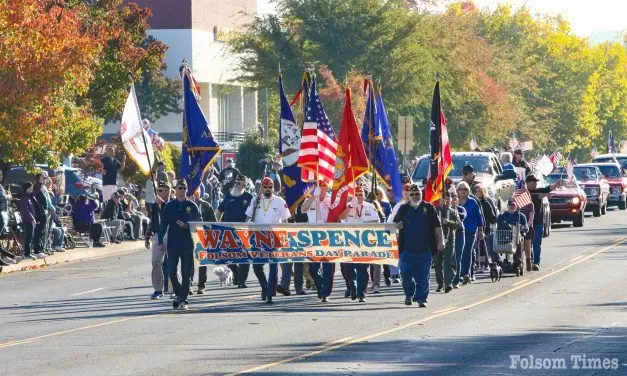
(451, 235)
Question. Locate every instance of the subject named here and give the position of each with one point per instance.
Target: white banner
(131, 132)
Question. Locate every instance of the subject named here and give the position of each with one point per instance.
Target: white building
(196, 30)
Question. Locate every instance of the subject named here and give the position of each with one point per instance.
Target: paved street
(95, 318)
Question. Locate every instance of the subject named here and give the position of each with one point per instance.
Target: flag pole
(152, 177)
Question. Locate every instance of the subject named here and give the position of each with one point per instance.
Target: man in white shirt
(356, 274)
(317, 209)
(267, 208)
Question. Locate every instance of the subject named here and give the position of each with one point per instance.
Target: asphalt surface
(95, 318)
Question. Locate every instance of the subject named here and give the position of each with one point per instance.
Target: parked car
(568, 203)
(595, 186)
(617, 179)
(621, 159)
(488, 171)
(74, 183)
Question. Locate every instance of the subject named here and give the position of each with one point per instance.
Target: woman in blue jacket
(473, 226)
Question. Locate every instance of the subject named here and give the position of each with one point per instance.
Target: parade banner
(237, 243)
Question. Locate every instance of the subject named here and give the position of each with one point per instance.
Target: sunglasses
(267, 186)
(462, 190)
(359, 195)
(162, 190)
(181, 188)
(414, 194)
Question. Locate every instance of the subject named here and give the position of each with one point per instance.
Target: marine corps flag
(351, 162)
(200, 149)
(441, 161)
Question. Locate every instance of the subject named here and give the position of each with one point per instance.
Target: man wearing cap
(468, 175)
(233, 209)
(175, 220)
(537, 230)
(519, 161)
(267, 208)
(445, 264)
(356, 274)
(158, 253)
(228, 174)
(420, 235)
(317, 209)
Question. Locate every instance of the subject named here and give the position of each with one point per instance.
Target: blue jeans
(468, 254)
(416, 267)
(459, 249)
(356, 277)
(58, 234)
(268, 285)
(324, 282)
(537, 242)
(286, 275)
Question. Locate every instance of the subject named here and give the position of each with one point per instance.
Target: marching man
(316, 215)
(356, 274)
(267, 208)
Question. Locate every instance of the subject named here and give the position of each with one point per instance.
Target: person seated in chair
(112, 214)
(83, 218)
(130, 213)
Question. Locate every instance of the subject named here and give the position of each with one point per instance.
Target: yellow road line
(444, 310)
(520, 282)
(28, 340)
(576, 258)
(428, 318)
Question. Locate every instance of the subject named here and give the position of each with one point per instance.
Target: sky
(586, 17)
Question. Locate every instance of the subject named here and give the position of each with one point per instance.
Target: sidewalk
(75, 255)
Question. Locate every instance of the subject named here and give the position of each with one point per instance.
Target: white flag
(131, 132)
(545, 165)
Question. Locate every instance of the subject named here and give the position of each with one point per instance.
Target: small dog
(225, 275)
(495, 272)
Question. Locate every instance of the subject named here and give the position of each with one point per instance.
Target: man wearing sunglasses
(158, 253)
(420, 235)
(175, 220)
(267, 208)
(356, 274)
(233, 209)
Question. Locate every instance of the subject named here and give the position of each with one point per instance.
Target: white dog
(225, 275)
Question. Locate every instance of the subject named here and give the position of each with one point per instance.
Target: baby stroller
(507, 240)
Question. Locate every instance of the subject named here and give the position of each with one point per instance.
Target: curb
(74, 255)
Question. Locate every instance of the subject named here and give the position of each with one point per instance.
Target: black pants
(186, 256)
(95, 230)
(38, 238)
(240, 273)
(29, 229)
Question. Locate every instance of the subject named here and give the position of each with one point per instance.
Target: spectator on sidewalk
(112, 214)
(111, 166)
(83, 218)
(149, 195)
(29, 216)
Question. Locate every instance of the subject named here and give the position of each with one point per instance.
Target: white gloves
(316, 192)
(354, 202)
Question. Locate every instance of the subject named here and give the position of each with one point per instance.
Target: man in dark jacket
(175, 220)
(417, 220)
(158, 253)
(112, 214)
(537, 195)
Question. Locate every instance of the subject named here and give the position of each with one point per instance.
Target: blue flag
(388, 168)
(377, 140)
(611, 146)
(289, 146)
(199, 149)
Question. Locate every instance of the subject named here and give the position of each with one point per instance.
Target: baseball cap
(467, 169)
(414, 188)
(530, 178)
(267, 181)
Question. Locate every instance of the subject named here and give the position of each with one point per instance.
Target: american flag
(318, 146)
(534, 161)
(593, 152)
(473, 143)
(570, 168)
(522, 198)
(556, 158)
(513, 143)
